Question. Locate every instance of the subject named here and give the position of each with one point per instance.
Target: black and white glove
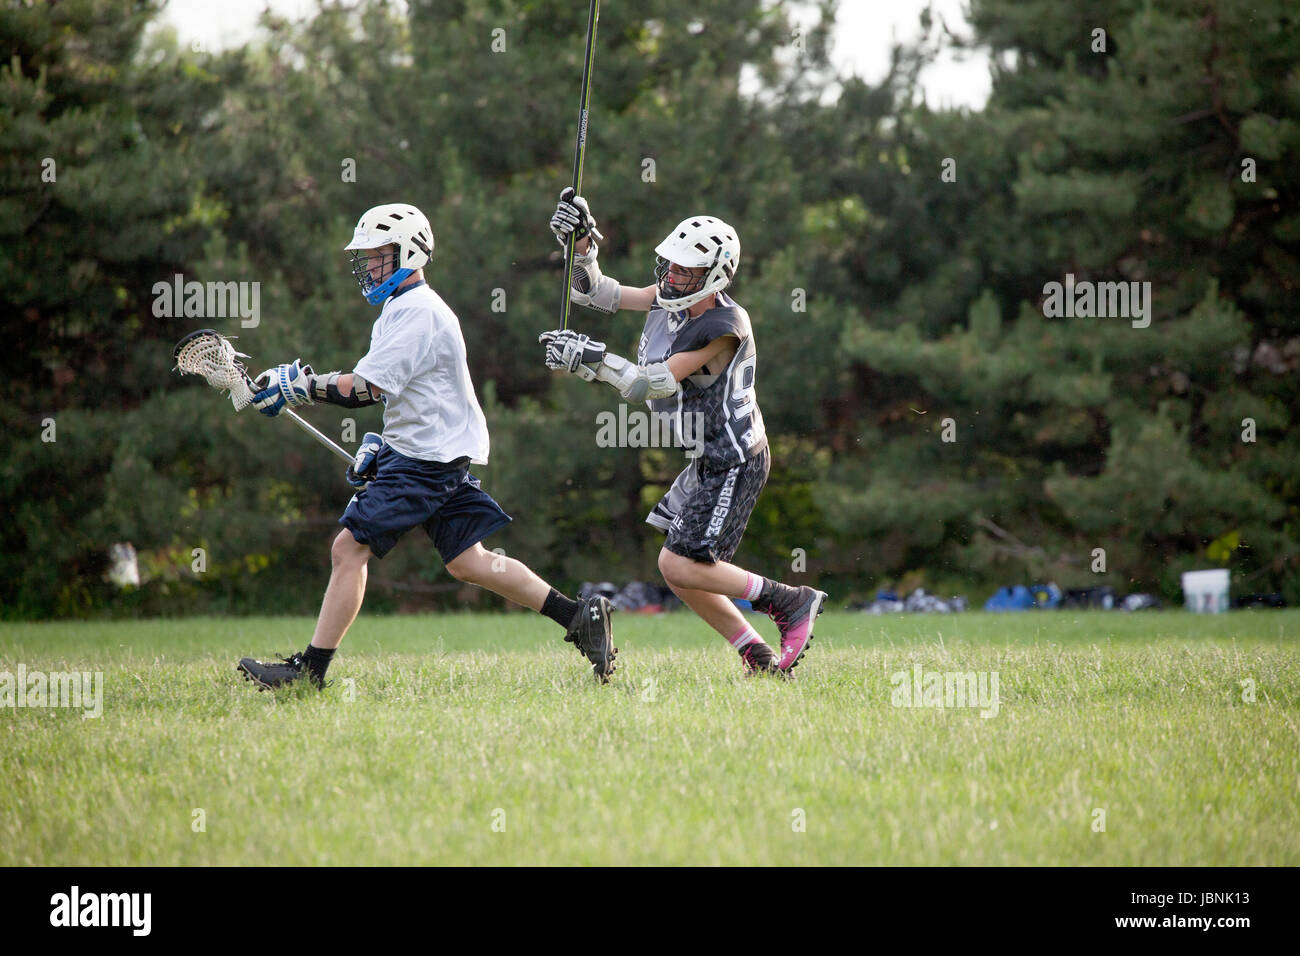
(363, 467)
(573, 218)
(570, 351)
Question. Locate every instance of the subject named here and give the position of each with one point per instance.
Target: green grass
(679, 760)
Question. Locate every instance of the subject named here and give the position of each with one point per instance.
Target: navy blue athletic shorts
(446, 500)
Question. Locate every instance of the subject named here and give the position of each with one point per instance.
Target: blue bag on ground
(1018, 598)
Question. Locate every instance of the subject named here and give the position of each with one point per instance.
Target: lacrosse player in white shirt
(417, 473)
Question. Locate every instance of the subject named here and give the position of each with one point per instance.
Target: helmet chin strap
(376, 293)
(381, 292)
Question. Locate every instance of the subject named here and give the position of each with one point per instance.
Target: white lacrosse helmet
(398, 223)
(698, 242)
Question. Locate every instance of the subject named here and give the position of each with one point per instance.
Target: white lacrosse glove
(573, 218)
(362, 469)
(574, 352)
(289, 384)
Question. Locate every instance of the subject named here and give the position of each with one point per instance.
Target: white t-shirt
(417, 356)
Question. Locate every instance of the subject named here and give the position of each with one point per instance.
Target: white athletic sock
(745, 636)
(753, 586)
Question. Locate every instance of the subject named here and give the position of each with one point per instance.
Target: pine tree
(1123, 157)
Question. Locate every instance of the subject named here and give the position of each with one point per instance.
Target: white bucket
(1206, 592)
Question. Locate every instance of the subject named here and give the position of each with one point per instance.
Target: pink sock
(753, 586)
(743, 637)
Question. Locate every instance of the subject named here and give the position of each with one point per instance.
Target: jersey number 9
(742, 396)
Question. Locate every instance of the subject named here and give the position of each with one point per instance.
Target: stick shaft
(311, 430)
(307, 427)
(580, 150)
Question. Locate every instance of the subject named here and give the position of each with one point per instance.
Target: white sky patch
(865, 31)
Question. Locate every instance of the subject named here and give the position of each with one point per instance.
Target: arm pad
(590, 287)
(637, 383)
(325, 388)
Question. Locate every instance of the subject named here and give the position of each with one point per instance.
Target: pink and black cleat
(794, 614)
(759, 659)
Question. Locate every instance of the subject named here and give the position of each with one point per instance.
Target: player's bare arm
(637, 299)
(713, 358)
(633, 298)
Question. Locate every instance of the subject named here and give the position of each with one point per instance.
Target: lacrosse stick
(580, 150)
(210, 354)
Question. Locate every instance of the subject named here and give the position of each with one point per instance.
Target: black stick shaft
(580, 151)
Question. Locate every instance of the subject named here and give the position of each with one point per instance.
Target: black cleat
(593, 634)
(759, 658)
(268, 675)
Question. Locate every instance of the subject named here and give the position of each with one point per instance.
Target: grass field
(482, 739)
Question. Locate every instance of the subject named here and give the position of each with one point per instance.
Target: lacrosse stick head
(210, 354)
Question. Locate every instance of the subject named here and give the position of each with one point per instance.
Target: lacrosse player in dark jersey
(696, 363)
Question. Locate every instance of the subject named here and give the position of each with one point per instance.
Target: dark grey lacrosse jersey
(725, 406)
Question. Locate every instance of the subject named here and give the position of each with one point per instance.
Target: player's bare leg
(723, 616)
(708, 590)
(349, 569)
(511, 579)
(349, 562)
(587, 623)
(715, 610)
(720, 578)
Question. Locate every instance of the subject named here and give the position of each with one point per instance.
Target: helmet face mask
(399, 226)
(706, 253)
(386, 267)
(675, 281)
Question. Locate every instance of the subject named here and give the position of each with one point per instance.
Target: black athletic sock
(771, 590)
(318, 661)
(560, 609)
